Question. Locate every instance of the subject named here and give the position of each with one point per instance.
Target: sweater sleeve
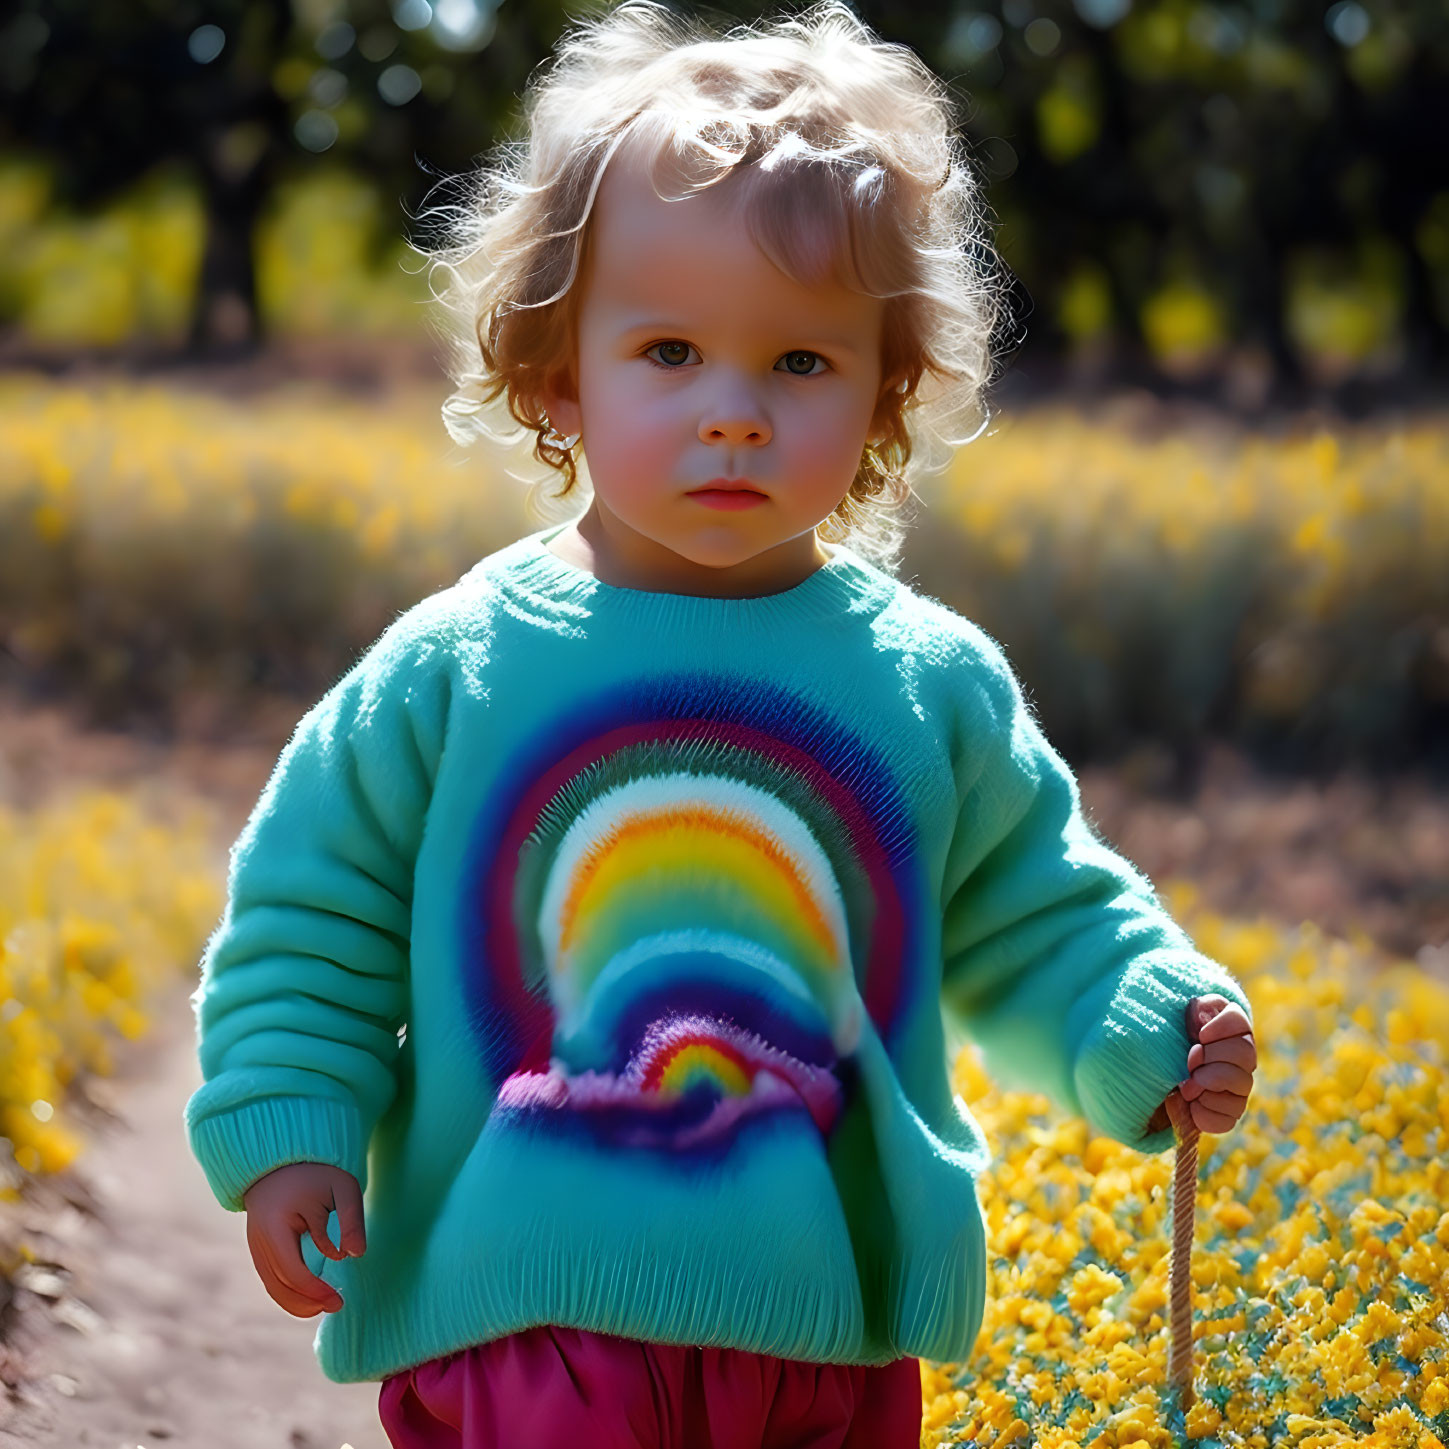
(304, 983)
(1058, 959)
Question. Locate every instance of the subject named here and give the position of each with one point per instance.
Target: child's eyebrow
(837, 344)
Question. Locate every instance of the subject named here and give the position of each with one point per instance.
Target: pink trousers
(569, 1388)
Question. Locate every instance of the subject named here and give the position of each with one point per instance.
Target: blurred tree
(1168, 142)
(245, 92)
(1172, 178)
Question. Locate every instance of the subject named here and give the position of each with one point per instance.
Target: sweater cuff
(1134, 1041)
(242, 1144)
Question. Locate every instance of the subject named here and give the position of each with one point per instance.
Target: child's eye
(791, 356)
(686, 348)
(670, 367)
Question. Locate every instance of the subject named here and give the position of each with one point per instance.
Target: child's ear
(560, 399)
(879, 429)
(890, 388)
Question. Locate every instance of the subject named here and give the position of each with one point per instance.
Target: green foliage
(1289, 594)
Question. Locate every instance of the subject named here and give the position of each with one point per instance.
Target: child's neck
(626, 559)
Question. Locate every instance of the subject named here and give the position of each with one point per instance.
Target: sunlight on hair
(845, 156)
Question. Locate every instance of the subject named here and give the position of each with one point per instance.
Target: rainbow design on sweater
(694, 1080)
(685, 920)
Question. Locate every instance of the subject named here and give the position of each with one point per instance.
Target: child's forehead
(651, 251)
(629, 211)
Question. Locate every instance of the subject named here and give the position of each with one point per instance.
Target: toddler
(608, 930)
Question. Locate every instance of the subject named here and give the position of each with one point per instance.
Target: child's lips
(727, 497)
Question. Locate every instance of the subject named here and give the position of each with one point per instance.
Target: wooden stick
(1184, 1208)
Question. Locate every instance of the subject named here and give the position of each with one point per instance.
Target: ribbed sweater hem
(510, 1251)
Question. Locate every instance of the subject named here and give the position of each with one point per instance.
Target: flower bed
(102, 905)
(1322, 1251)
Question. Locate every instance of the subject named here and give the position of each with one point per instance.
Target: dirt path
(156, 1330)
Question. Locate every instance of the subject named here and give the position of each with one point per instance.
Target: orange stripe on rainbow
(699, 844)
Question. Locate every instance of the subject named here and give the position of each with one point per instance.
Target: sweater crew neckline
(832, 589)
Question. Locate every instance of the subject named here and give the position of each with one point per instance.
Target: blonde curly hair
(843, 146)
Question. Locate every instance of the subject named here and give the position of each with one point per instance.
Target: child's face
(697, 360)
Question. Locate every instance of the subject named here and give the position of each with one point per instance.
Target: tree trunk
(226, 320)
(238, 151)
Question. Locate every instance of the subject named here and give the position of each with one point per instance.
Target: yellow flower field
(1259, 588)
(1254, 586)
(1322, 1255)
(102, 906)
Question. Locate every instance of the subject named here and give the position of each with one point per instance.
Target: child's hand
(1220, 1065)
(283, 1205)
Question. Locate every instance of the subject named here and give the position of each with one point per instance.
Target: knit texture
(618, 942)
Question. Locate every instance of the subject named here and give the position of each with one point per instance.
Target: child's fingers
(316, 1219)
(1230, 1021)
(277, 1253)
(347, 1199)
(298, 1277)
(1211, 1111)
(1202, 1009)
(1213, 1122)
(1239, 1050)
(1208, 1119)
(1231, 1104)
(1218, 1077)
(1220, 1098)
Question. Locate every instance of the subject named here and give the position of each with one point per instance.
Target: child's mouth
(728, 497)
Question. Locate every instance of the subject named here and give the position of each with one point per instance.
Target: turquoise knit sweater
(618, 943)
